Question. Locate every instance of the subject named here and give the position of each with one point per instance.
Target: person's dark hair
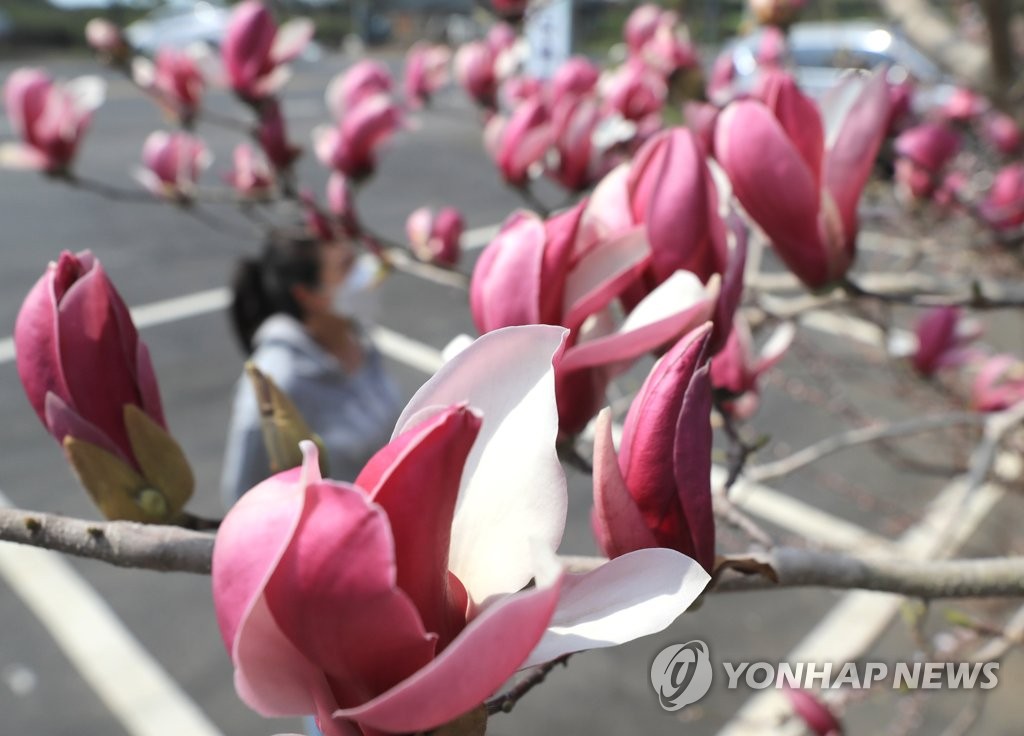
(265, 286)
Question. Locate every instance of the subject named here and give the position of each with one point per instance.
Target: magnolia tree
(405, 600)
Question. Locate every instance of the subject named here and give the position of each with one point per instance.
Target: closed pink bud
(174, 79)
(635, 91)
(352, 147)
(365, 79)
(657, 492)
(80, 358)
(800, 177)
(250, 176)
(474, 71)
(1003, 206)
(172, 164)
(1002, 131)
(50, 118)
(435, 238)
(518, 144)
(255, 49)
(816, 715)
(924, 152)
(273, 138)
(578, 76)
(426, 72)
(942, 339)
(641, 26)
(963, 105)
(574, 121)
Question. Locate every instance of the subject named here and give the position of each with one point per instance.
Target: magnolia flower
(657, 491)
(999, 383)
(641, 25)
(518, 144)
(799, 177)
(401, 601)
(172, 164)
(106, 39)
(91, 382)
(426, 71)
(50, 118)
(942, 339)
(924, 151)
(255, 49)
(361, 81)
(475, 72)
(736, 370)
(1002, 131)
(1003, 206)
(576, 77)
(251, 175)
(433, 238)
(574, 122)
(636, 92)
(963, 105)
(351, 147)
(273, 138)
(175, 79)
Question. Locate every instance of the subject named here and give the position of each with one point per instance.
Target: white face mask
(356, 297)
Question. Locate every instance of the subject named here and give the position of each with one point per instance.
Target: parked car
(822, 52)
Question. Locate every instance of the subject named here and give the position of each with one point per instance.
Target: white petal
(513, 486)
(680, 291)
(634, 595)
(87, 92)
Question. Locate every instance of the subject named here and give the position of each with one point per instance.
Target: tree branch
(120, 543)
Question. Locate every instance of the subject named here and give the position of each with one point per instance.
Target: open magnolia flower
(400, 602)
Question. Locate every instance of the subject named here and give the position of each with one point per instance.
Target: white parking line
(131, 683)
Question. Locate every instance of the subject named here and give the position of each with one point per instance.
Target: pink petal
(506, 284)
(63, 421)
(618, 524)
(602, 274)
(418, 493)
(851, 156)
(774, 185)
(798, 116)
(512, 480)
(488, 651)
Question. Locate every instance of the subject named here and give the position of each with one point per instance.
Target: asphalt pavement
(155, 253)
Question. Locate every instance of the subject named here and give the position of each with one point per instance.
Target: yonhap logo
(681, 674)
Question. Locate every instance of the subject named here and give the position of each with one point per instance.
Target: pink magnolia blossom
(51, 118)
(1002, 131)
(999, 383)
(403, 600)
(175, 79)
(273, 137)
(772, 48)
(575, 78)
(800, 177)
(251, 176)
(501, 37)
(106, 39)
(555, 272)
(519, 143)
(636, 92)
(942, 339)
(352, 146)
(435, 238)
(816, 715)
(1003, 205)
(669, 49)
(172, 163)
(657, 491)
(641, 26)
(924, 151)
(474, 71)
(574, 123)
(963, 105)
(520, 88)
(426, 72)
(363, 80)
(736, 370)
(91, 382)
(255, 49)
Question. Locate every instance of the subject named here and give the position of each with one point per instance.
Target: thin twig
(506, 701)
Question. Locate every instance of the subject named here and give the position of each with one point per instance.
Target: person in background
(295, 312)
